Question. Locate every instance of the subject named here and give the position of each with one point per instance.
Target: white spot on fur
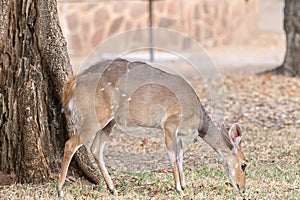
(123, 95)
(102, 89)
(109, 83)
(129, 99)
(195, 133)
(163, 119)
(232, 173)
(71, 105)
(236, 166)
(116, 88)
(176, 133)
(171, 156)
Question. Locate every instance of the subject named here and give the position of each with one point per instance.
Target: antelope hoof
(114, 192)
(180, 191)
(60, 192)
(183, 185)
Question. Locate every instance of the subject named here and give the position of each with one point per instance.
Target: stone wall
(210, 22)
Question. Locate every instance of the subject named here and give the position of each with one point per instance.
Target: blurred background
(240, 36)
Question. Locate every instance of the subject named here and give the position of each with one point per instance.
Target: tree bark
(291, 64)
(34, 65)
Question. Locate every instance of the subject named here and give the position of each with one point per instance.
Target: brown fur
(68, 94)
(136, 94)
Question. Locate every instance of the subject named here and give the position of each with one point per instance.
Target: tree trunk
(34, 65)
(291, 64)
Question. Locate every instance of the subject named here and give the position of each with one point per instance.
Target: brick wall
(210, 22)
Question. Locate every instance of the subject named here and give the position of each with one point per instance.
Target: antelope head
(234, 160)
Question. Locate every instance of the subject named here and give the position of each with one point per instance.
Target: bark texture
(291, 64)
(34, 65)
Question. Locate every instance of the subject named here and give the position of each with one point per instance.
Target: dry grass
(272, 147)
(273, 173)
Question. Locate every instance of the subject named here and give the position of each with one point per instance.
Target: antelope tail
(67, 96)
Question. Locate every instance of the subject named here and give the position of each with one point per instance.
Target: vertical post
(150, 32)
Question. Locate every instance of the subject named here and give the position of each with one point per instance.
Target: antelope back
(135, 94)
(147, 96)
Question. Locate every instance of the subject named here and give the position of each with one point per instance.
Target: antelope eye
(243, 165)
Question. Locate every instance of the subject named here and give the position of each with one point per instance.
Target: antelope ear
(235, 135)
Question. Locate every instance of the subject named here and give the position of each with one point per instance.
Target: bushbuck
(137, 94)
